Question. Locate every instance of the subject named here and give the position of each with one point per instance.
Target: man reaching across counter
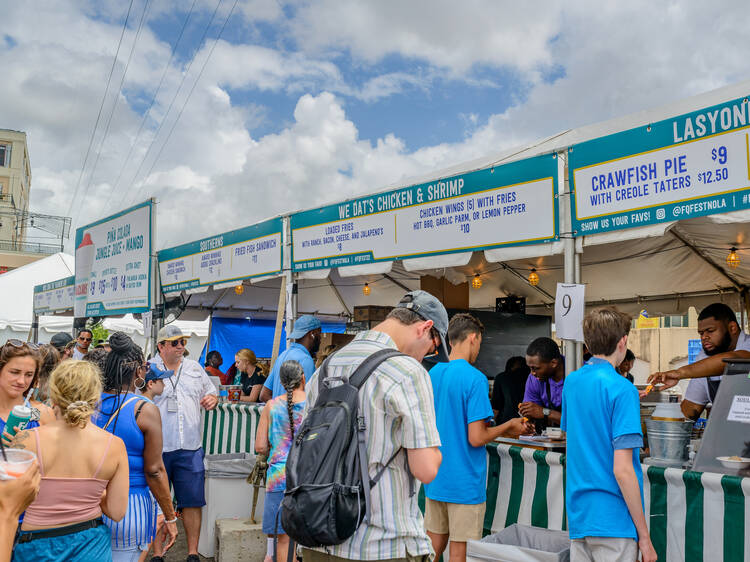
(721, 338)
(542, 400)
(456, 498)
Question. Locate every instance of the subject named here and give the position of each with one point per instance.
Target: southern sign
(512, 204)
(56, 296)
(692, 165)
(254, 251)
(113, 273)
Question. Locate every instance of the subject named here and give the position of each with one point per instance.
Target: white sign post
(569, 305)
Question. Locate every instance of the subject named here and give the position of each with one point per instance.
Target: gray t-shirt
(697, 390)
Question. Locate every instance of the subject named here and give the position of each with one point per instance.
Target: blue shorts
(271, 510)
(84, 546)
(187, 476)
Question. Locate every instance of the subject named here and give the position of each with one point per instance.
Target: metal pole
(35, 329)
(579, 345)
(157, 299)
(569, 247)
(289, 280)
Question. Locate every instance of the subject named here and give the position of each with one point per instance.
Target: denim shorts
(272, 513)
(187, 476)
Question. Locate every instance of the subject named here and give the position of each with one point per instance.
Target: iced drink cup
(18, 461)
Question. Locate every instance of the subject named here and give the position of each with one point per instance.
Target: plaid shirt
(399, 411)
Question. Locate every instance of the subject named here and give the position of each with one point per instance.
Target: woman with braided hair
(84, 474)
(279, 421)
(136, 420)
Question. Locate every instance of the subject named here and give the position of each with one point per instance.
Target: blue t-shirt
(295, 352)
(461, 397)
(599, 406)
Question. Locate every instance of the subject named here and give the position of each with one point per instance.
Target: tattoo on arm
(18, 440)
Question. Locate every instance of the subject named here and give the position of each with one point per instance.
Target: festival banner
(253, 251)
(693, 165)
(56, 296)
(113, 265)
(512, 204)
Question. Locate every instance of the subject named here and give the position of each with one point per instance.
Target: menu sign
(512, 204)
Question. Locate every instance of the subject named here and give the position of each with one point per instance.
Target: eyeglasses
(175, 343)
(435, 340)
(19, 344)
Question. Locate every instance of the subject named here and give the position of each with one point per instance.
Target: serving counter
(692, 516)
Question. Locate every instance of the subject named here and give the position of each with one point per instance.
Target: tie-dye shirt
(280, 441)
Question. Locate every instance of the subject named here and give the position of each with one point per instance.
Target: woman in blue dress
(136, 420)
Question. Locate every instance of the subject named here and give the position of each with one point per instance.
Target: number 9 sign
(569, 306)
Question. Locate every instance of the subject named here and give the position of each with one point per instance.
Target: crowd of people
(115, 436)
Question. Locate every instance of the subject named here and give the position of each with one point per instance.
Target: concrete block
(239, 540)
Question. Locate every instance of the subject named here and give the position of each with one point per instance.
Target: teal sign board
(512, 204)
(693, 165)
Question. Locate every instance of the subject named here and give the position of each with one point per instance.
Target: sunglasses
(81, 338)
(19, 344)
(435, 340)
(175, 343)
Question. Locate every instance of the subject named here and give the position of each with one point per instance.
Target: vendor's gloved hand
(258, 475)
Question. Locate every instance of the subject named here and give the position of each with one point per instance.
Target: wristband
(171, 520)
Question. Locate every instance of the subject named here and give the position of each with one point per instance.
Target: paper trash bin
(521, 543)
(228, 495)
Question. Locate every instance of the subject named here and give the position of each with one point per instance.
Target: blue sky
(303, 103)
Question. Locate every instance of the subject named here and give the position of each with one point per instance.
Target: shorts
(187, 476)
(83, 546)
(460, 521)
(604, 549)
(272, 513)
(317, 556)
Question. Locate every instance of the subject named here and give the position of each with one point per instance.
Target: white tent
(17, 302)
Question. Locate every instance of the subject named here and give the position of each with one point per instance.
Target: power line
(171, 103)
(174, 124)
(114, 107)
(101, 106)
(153, 100)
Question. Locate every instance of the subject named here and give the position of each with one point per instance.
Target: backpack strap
(358, 378)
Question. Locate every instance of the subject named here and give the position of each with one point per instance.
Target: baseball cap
(170, 333)
(154, 373)
(60, 340)
(428, 307)
(303, 325)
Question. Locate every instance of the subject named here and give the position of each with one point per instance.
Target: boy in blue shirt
(455, 499)
(601, 415)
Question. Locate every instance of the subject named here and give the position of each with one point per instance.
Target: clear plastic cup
(18, 461)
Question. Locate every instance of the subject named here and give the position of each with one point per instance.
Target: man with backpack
(394, 429)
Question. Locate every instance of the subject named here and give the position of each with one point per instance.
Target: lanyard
(174, 384)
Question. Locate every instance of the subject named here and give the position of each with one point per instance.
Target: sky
(230, 112)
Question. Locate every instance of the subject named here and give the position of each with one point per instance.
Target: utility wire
(174, 124)
(101, 106)
(153, 100)
(169, 109)
(146, 6)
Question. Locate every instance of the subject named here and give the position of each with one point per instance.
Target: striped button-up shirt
(399, 411)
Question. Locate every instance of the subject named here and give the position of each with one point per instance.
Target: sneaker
(157, 559)
(193, 558)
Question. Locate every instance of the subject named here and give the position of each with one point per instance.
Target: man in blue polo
(306, 336)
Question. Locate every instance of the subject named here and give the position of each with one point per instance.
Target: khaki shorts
(603, 549)
(460, 521)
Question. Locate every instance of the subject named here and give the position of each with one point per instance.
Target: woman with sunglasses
(137, 422)
(19, 370)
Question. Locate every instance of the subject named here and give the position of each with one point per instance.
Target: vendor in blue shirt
(604, 480)
(306, 336)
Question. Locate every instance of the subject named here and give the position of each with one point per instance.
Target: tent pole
(579, 345)
(34, 329)
(569, 247)
(279, 322)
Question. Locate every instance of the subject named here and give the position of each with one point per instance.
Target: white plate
(726, 462)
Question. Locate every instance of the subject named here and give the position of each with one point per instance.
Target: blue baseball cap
(303, 325)
(155, 374)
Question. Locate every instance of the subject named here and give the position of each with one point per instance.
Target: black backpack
(327, 482)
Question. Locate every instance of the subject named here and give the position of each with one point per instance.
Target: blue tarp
(229, 335)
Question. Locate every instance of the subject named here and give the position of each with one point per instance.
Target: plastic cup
(18, 461)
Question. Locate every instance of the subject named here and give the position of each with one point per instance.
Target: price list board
(253, 251)
(692, 165)
(56, 296)
(113, 264)
(512, 204)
